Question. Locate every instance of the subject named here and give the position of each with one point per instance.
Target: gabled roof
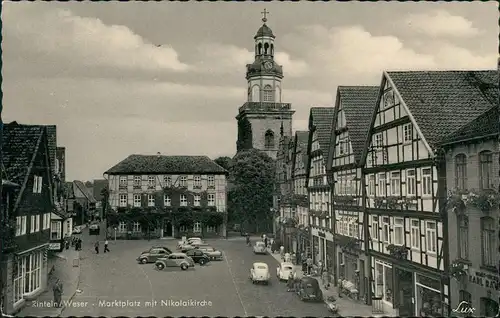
(81, 186)
(485, 125)
(321, 119)
(442, 102)
(357, 103)
(158, 164)
(99, 185)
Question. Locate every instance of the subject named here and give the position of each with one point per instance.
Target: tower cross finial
(265, 13)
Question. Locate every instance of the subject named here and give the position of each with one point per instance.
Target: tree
(224, 162)
(251, 198)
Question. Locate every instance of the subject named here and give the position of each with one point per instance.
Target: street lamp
(115, 234)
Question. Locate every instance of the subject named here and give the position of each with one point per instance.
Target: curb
(77, 285)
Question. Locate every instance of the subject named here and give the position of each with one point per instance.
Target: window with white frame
(378, 141)
(47, 222)
(211, 199)
(371, 185)
(415, 234)
(382, 185)
(430, 236)
(151, 200)
(32, 269)
(184, 201)
(136, 227)
(197, 199)
(410, 182)
(123, 182)
(384, 281)
(211, 229)
(183, 228)
(386, 238)
(426, 182)
(197, 227)
(44, 221)
(407, 133)
(151, 181)
(123, 200)
(137, 200)
(268, 94)
(395, 183)
(37, 223)
(37, 184)
(18, 273)
(137, 181)
(197, 181)
(18, 225)
(398, 231)
(32, 223)
(167, 180)
(375, 226)
(341, 147)
(166, 200)
(24, 224)
(211, 181)
(122, 227)
(183, 181)
(55, 230)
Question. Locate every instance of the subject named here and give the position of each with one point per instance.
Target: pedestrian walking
(265, 242)
(309, 263)
(96, 246)
(282, 252)
(106, 249)
(290, 282)
(58, 290)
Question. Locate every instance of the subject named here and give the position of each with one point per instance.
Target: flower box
(398, 251)
(484, 200)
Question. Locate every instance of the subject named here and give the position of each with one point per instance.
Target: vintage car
(193, 246)
(283, 271)
(151, 255)
(198, 256)
(308, 289)
(260, 248)
(259, 273)
(211, 252)
(175, 260)
(77, 230)
(188, 241)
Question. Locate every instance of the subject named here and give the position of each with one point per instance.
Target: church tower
(264, 117)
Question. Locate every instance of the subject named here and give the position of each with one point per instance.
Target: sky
(121, 78)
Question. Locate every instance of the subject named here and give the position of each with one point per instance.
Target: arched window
(272, 49)
(260, 48)
(461, 171)
(488, 241)
(463, 237)
(485, 169)
(269, 139)
(268, 94)
(266, 48)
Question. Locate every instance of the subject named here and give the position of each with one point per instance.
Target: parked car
(198, 256)
(77, 230)
(211, 252)
(188, 241)
(193, 246)
(259, 273)
(308, 289)
(260, 248)
(175, 260)
(151, 255)
(283, 271)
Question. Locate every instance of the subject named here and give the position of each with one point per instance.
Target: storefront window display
(384, 282)
(429, 302)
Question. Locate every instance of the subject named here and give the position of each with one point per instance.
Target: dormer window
(37, 184)
(268, 94)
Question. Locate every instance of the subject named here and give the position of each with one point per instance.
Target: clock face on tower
(268, 66)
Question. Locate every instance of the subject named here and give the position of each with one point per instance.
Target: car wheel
(160, 266)
(202, 261)
(144, 260)
(184, 267)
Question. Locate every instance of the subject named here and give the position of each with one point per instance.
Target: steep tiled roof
(20, 144)
(322, 119)
(484, 125)
(444, 101)
(99, 185)
(358, 103)
(158, 164)
(81, 186)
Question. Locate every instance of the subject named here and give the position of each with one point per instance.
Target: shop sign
(54, 246)
(485, 280)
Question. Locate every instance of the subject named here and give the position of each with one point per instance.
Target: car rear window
(261, 267)
(287, 268)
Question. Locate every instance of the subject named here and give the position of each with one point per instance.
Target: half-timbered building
(320, 217)
(405, 180)
(353, 109)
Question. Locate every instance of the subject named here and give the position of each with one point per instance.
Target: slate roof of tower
(442, 102)
(158, 164)
(358, 103)
(264, 30)
(322, 119)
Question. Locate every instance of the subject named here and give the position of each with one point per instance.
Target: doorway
(404, 281)
(361, 278)
(167, 228)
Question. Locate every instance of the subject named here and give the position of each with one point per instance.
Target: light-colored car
(154, 253)
(175, 260)
(260, 248)
(189, 241)
(283, 271)
(77, 230)
(259, 273)
(192, 246)
(211, 252)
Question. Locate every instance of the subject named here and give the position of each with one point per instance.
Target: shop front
(320, 243)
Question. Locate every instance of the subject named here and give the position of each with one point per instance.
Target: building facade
(319, 194)
(473, 214)
(264, 113)
(27, 163)
(354, 106)
(166, 196)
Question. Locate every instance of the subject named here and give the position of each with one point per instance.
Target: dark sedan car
(198, 256)
(155, 252)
